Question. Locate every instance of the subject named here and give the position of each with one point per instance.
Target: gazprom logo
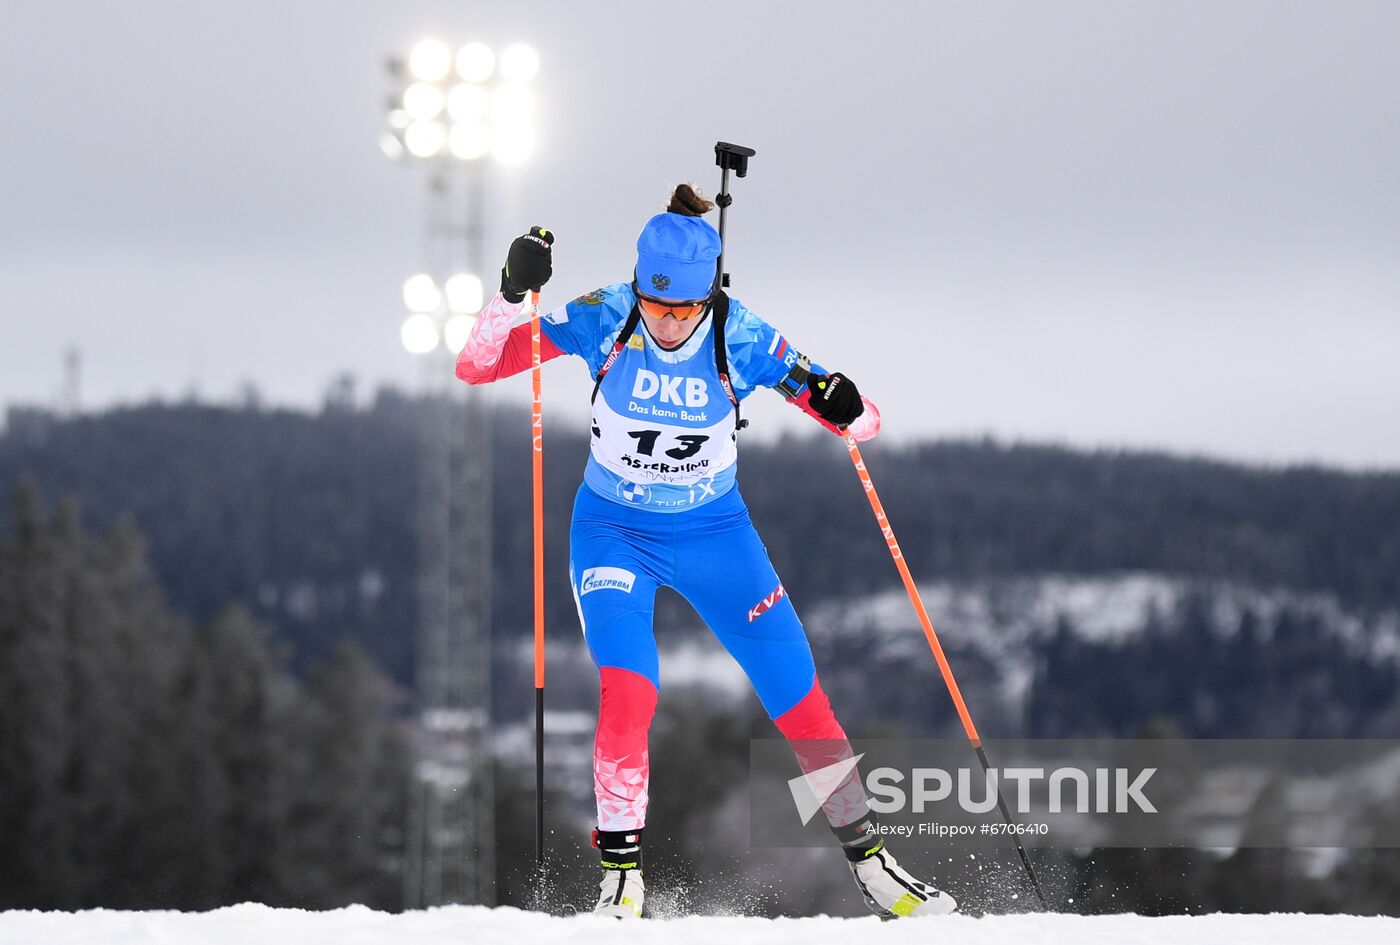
(599, 579)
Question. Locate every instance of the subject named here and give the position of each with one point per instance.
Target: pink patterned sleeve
(495, 350)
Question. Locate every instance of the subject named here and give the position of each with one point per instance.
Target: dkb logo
(649, 384)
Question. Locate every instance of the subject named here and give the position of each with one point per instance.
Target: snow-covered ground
(247, 924)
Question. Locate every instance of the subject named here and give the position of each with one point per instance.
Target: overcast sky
(1106, 224)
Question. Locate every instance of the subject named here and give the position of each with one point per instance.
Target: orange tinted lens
(680, 312)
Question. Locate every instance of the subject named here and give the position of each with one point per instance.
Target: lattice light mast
(454, 113)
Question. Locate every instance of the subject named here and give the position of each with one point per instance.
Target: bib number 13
(690, 443)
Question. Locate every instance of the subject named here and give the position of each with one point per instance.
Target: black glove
(835, 398)
(528, 265)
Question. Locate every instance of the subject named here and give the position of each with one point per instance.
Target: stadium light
(465, 294)
(430, 320)
(463, 106)
(425, 138)
(468, 102)
(420, 293)
(449, 109)
(419, 333)
(475, 62)
(423, 100)
(430, 60)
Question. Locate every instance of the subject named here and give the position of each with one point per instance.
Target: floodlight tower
(452, 113)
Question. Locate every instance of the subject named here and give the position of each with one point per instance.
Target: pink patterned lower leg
(819, 741)
(620, 766)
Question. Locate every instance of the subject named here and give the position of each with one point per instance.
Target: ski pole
(943, 666)
(537, 461)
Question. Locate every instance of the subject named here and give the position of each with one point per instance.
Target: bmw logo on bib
(634, 492)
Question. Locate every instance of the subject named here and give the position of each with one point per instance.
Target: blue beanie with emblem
(676, 257)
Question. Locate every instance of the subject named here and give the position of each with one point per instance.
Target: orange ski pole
(943, 666)
(537, 461)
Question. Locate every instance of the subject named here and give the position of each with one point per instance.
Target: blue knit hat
(676, 257)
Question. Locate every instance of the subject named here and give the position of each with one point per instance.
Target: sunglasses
(680, 311)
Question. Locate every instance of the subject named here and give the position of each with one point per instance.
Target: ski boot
(622, 892)
(889, 891)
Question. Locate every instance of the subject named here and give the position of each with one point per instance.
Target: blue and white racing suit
(659, 507)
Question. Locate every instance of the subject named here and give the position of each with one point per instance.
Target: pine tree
(348, 794)
(133, 656)
(36, 736)
(234, 705)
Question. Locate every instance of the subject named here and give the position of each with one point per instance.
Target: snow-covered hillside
(1001, 618)
(248, 923)
(1002, 614)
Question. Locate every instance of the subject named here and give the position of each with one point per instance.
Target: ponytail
(686, 201)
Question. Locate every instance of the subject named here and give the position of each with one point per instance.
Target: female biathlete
(673, 357)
